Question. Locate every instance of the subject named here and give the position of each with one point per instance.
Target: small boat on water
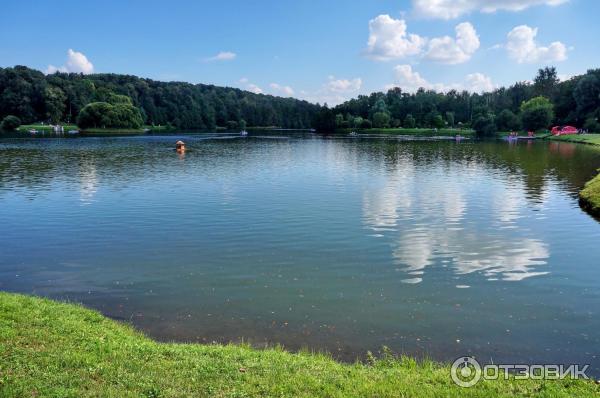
(243, 133)
(73, 131)
(33, 131)
(353, 134)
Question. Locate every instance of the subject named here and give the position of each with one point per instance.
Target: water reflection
(423, 215)
(88, 181)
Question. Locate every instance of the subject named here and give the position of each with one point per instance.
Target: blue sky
(308, 49)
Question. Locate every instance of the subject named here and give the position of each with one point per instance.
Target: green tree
(231, 125)
(116, 99)
(537, 113)
(54, 99)
(10, 123)
(508, 121)
(409, 122)
(339, 118)
(381, 119)
(546, 82)
(587, 95)
(105, 115)
(592, 125)
(324, 121)
(357, 122)
(242, 124)
(450, 118)
(366, 124)
(438, 122)
(484, 124)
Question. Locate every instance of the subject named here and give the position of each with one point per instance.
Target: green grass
(589, 197)
(159, 129)
(592, 139)
(418, 132)
(51, 349)
(44, 127)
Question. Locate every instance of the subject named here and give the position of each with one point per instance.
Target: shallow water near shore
(432, 248)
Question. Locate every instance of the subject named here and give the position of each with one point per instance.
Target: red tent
(566, 130)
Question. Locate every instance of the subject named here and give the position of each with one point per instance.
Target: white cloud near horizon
(343, 85)
(450, 9)
(389, 39)
(410, 80)
(76, 63)
(249, 86)
(222, 56)
(279, 89)
(448, 50)
(522, 47)
(335, 91)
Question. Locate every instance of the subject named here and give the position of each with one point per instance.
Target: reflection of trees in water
(32, 166)
(423, 213)
(535, 163)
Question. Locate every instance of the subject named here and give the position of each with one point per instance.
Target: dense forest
(112, 100)
(525, 105)
(34, 97)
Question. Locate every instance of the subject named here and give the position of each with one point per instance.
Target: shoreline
(53, 348)
(589, 196)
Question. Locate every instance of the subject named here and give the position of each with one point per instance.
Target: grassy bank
(50, 349)
(44, 127)
(592, 139)
(589, 197)
(416, 132)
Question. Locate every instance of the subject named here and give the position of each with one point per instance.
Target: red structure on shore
(565, 130)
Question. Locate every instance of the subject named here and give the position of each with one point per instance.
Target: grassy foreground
(50, 349)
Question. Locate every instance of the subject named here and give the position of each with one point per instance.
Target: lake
(431, 248)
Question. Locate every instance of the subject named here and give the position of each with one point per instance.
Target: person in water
(180, 146)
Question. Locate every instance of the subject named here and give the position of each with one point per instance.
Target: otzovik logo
(466, 372)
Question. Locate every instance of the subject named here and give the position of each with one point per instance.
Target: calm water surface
(430, 248)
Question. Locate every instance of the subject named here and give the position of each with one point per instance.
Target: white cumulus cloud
(449, 9)
(410, 80)
(249, 86)
(223, 56)
(335, 91)
(281, 90)
(449, 50)
(343, 85)
(478, 83)
(388, 39)
(254, 88)
(76, 63)
(522, 47)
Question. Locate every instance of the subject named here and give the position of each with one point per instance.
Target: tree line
(33, 97)
(531, 106)
(113, 100)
